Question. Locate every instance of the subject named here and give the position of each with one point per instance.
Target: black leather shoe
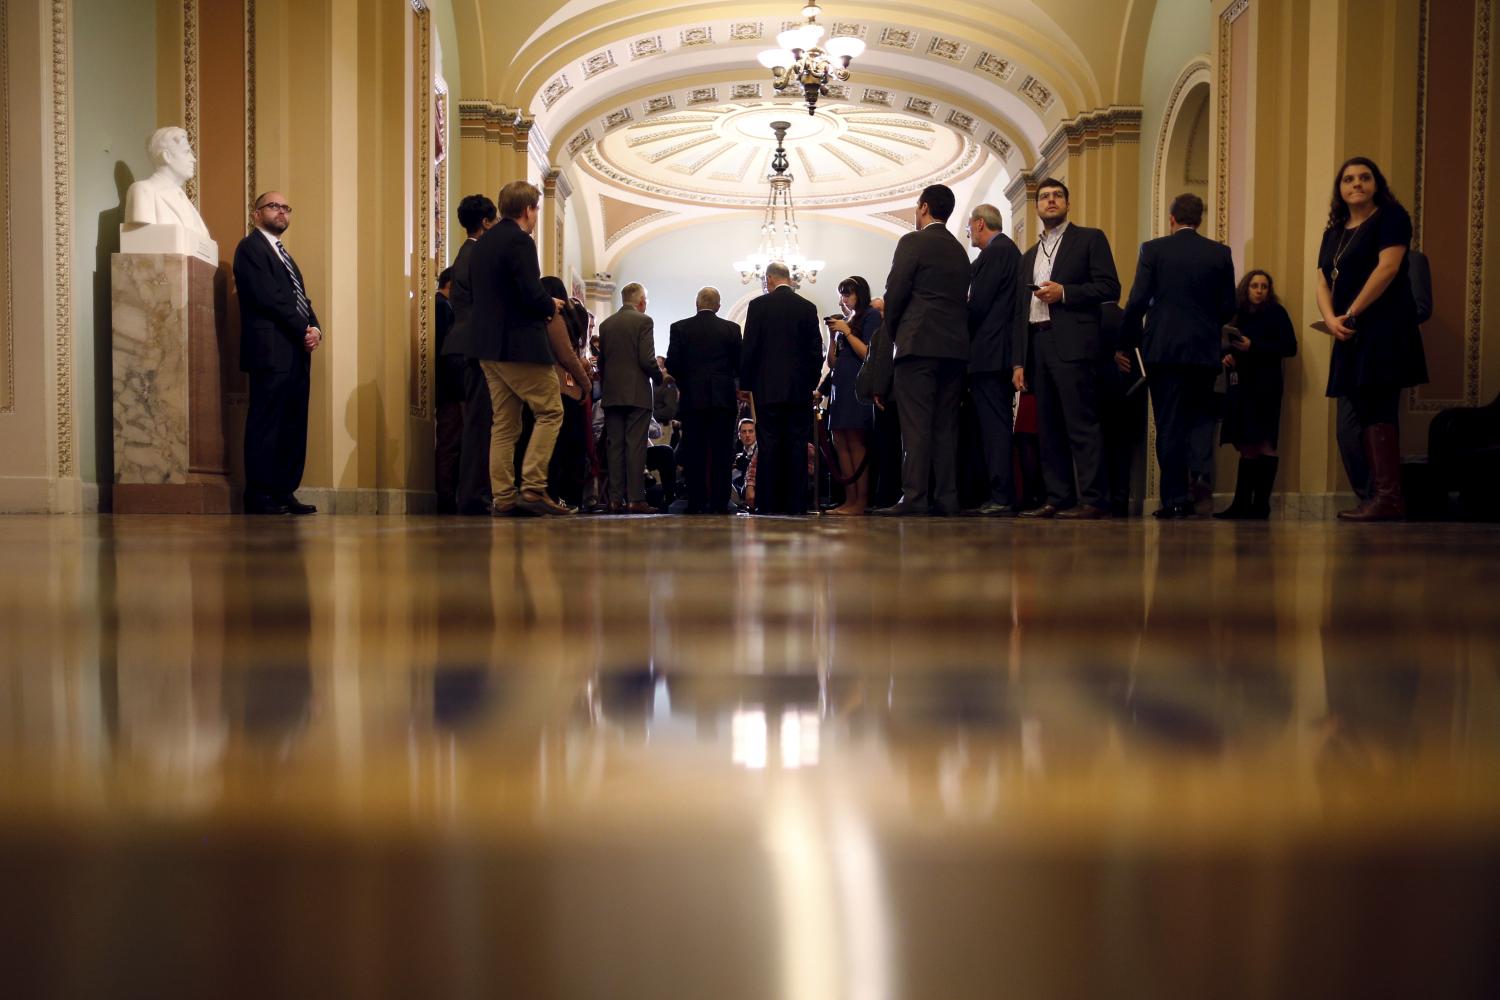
(1173, 512)
(474, 508)
(898, 510)
(1046, 510)
(294, 506)
(267, 507)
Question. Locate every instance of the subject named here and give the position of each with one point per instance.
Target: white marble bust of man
(159, 199)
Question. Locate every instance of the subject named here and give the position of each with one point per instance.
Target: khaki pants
(512, 384)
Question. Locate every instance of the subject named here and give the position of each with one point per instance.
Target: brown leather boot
(1383, 449)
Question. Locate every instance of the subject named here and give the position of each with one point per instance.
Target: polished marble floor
(761, 758)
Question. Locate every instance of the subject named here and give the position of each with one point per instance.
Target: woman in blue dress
(848, 418)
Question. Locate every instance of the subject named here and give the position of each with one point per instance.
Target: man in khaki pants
(509, 333)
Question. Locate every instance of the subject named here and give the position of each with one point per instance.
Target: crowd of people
(1012, 385)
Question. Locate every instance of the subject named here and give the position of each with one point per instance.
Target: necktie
(304, 308)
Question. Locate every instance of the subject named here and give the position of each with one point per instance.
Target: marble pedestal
(170, 456)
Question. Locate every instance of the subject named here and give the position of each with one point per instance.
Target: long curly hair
(1242, 293)
(1338, 211)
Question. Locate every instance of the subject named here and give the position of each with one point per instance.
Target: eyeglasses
(275, 206)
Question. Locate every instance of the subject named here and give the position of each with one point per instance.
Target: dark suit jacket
(1085, 268)
(996, 302)
(508, 321)
(783, 351)
(1184, 289)
(627, 359)
(703, 355)
(271, 329)
(461, 298)
(926, 295)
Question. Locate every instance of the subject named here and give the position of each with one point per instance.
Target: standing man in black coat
(509, 327)
(278, 333)
(476, 214)
(1184, 290)
(996, 300)
(780, 363)
(926, 313)
(703, 356)
(1071, 272)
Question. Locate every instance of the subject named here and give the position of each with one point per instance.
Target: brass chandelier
(803, 64)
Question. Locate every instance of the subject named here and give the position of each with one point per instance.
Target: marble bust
(159, 199)
(159, 216)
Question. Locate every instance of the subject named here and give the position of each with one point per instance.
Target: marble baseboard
(210, 495)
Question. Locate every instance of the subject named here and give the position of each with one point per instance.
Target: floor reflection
(878, 740)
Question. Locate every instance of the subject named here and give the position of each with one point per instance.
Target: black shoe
(474, 508)
(991, 508)
(899, 509)
(294, 506)
(446, 505)
(1176, 511)
(270, 507)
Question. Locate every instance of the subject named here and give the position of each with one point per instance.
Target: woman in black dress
(1252, 407)
(848, 418)
(1365, 296)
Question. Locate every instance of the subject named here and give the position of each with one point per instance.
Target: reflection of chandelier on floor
(800, 66)
(778, 233)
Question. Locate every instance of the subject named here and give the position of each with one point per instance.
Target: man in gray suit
(627, 364)
(926, 310)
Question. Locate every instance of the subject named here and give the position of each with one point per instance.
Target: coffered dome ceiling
(659, 114)
(720, 154)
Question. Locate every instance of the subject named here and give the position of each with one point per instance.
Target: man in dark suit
(508, 325)
(996, 300)
(1071, 273)
(1184, 290)
(703, 356)
(476, 214)
(780, 363)
(627, 364)
(926, 313)
(278, 333)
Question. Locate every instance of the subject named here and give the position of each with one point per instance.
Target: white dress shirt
(1041, 271)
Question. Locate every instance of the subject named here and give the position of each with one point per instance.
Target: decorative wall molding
(1198, 71)
(250, 178)
(1104, 127)
(1221, 143)
(420, 401)
(8, 318)
(1484, 19)
(190, 50)
(62, 229)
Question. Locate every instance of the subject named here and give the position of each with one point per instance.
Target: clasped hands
(311, 338)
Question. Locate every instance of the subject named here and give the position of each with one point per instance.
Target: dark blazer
(783, 351)
(271, 328)
(1184, 290)
(996, 302)
(1085, 267)
(627, 359)
(926, 295)
(461, 298)
(703, 355)
(508, 321)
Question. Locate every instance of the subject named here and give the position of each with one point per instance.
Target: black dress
(1386, 349)
(845, 411)
(1252, 406)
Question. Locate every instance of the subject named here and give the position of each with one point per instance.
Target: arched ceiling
(665, 107)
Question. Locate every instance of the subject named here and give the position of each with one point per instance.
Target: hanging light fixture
(778, 233)
(802, 65)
